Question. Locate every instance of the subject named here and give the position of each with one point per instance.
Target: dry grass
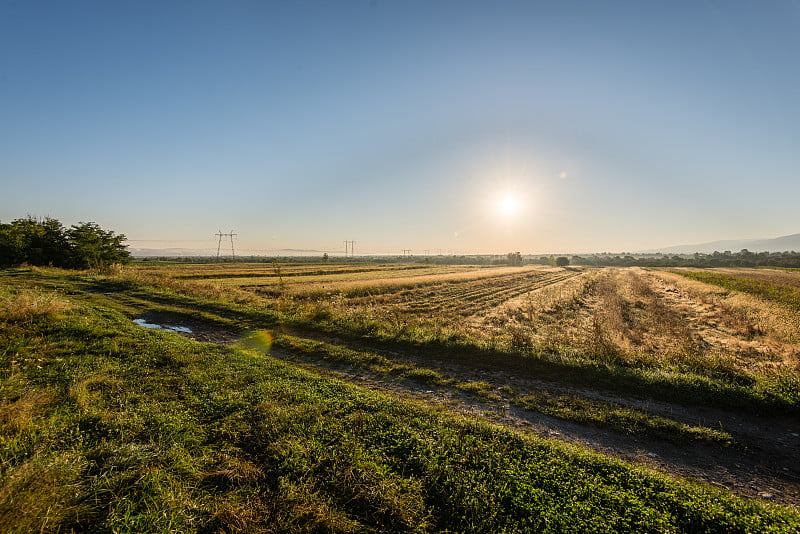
(30, 304)
(757, 328)
(17, 415)
(202, 288)
(622, 316)
(36, 495)
(653, 319)
(771, 318)
(258, 283)
(538, 317)
(372, 284)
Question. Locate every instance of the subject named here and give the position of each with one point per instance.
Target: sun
(508, 205)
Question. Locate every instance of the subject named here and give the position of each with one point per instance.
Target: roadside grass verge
(107, 427)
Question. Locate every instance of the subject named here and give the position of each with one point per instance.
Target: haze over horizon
(456, 126)
(790, 243)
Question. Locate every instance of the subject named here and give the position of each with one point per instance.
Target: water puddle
(169, 327)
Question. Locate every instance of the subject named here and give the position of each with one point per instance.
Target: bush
(47, 242)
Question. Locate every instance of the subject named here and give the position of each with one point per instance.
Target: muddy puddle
(189, 327)
(169, 327)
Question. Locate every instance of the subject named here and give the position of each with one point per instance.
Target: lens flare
(259, 340)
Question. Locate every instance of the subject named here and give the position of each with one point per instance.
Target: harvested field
(648, 366)
(626, 316)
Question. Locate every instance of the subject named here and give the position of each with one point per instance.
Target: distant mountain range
(778, 244)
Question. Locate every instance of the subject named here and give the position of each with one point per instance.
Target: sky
(441, 126)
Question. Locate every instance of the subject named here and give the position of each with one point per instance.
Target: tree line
(743, 258)
(47, 242)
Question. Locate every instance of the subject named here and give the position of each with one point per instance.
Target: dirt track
(763, 462)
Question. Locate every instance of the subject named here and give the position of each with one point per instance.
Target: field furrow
(473, 297)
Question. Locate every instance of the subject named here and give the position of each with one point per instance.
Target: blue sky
(452, 126)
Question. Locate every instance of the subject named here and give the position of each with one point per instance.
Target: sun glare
(508, 205)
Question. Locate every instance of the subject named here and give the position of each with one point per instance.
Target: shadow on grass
(645, 383)
(656, 384)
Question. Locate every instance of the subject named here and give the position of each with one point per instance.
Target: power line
(231, 235)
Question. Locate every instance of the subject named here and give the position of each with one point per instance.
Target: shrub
(47, 242)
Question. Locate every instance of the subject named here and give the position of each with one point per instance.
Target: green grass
(106, 427)
(570, 407)
(775, 292)
(621, 418)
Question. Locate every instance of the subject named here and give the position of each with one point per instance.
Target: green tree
(562, 261)
(46, 242)
(93, 247)
(514, 258)
(30, 240)
(13, 244)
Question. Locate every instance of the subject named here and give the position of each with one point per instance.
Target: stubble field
(691, 376)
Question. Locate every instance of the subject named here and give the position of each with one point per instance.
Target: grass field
(399, 398)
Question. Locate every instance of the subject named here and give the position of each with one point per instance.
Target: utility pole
(230, 235)
(406, 252)
(352, 248)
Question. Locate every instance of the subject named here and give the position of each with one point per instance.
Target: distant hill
(778, 244)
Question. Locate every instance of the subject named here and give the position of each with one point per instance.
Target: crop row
(473, 296)
(291, 271)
